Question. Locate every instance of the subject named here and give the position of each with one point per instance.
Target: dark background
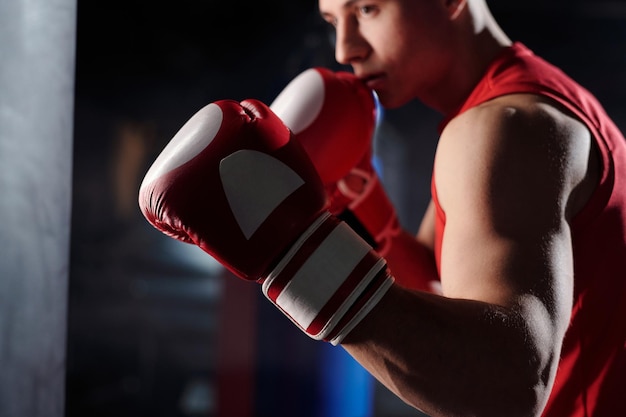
(156, 327)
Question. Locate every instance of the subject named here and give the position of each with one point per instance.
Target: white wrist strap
(328, 281)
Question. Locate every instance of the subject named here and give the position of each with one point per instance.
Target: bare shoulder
(525, 142)
(529, 118)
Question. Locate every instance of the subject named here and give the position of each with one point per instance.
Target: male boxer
(527, 221)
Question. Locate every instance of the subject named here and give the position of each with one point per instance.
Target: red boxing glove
(233, 182)
(333, 115)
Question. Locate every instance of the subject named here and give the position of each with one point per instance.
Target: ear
(455, 7)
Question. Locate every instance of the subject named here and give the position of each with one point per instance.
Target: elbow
(528, 368)
(534, 389)
(524, 388)
(524, 400)
(520, 398)
(519, 385)
(512, 394)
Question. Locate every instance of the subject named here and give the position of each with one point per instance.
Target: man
(526, 224)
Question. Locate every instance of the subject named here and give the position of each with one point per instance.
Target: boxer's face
(397, 46)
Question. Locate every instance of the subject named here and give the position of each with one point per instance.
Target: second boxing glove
(334, 116)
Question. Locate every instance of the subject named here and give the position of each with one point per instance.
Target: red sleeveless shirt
(591, 378)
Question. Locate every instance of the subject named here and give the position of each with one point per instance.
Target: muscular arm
(509, 177)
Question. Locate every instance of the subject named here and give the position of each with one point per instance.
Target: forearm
(454, 357)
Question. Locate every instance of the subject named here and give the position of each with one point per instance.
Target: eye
(367, 11)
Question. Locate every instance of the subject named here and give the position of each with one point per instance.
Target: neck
(479, 41)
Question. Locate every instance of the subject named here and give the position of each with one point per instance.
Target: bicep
(506, 239)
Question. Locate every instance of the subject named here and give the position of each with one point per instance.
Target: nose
(350, 45)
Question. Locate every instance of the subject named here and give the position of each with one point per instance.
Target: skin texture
(510, 175)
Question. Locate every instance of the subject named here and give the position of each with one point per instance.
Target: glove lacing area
(328, 280)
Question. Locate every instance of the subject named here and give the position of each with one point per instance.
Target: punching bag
(37, 43)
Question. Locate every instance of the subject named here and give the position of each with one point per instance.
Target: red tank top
(591, 379)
